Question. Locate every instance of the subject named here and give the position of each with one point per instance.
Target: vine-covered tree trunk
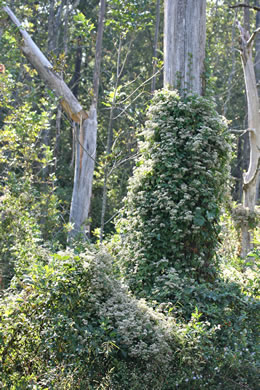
(184, 44)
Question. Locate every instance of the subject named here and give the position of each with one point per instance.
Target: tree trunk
(85, 144)
(156, 35)
(45, 69)
(184, 44)
(247, 16)
(251, 176)
(87, 132)
(74, 83)
(257, 73)
(257, 53)
(85, 154)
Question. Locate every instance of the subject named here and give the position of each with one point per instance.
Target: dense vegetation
(165, 302)
(67, 321)
(170, 220)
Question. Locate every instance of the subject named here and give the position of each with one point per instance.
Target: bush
(28, 203)
(66, 323)
(172, 210)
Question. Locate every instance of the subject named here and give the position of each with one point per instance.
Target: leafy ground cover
(78, 319)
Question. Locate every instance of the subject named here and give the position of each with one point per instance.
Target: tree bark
(156, 35)
(257, 53)
(85, 154)
(247, 16)
(45, 69)
(251, 176)
(184, 44)
(257, 73)
(74, 83)
(87, 131)
(85, 145)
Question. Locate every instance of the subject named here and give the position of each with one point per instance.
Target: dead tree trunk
(87, 132)
(257, 73)
(184, 44)
(85, 144)
(45, 69)
(251, 176)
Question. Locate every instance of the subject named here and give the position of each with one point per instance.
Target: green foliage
(67, 323)
(170, 221)
(129, 15)
(28, 207)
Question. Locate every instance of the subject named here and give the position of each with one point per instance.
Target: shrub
(28, 203)
(66, 323)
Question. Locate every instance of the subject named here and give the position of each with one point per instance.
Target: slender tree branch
(251, 39)
(117, 165)
(140, 86)
(245, 6)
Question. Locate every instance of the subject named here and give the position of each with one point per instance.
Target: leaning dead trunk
(87, 132)
(45, 69)
(251, 176)
(184, 44)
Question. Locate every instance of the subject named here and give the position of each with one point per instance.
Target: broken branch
(45, 69)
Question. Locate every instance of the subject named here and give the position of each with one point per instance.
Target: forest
(130, 194)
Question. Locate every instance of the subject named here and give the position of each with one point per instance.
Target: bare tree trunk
(87, 132)
(96, 77)
(257, 73)
(85, 154)
(251, 176)
(85, 144)
(184, 44)
(247, 16)
(74, 83)
(45, 69)
(156, 35)
(257, 53)
(232, 73)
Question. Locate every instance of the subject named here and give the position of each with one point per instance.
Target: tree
(86, 141)
(251, 176)
(184, 44)
(257, 74)
(250, 179)
(87, 131)
(155, 45)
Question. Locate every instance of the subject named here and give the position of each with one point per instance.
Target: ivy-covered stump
(170, 221)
